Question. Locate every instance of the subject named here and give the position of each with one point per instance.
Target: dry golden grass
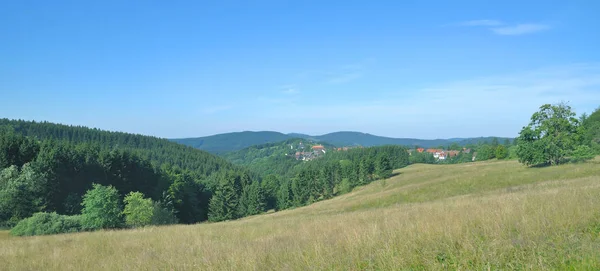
(493, 215)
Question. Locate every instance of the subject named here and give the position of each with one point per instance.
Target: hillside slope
(479, 216)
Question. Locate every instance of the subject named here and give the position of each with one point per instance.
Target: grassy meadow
(478, 216)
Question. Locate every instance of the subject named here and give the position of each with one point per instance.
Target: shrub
(501, 152)
(101, 208)
(163, 215)
(138, 210)
(46, 223)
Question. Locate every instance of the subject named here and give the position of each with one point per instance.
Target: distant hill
(223, 143)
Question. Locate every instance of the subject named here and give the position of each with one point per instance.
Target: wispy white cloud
(481, 23)
(520, 29)
(506, 29)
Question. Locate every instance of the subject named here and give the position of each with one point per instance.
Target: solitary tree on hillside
(550, 136)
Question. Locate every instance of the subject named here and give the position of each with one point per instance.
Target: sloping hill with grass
(477, 216)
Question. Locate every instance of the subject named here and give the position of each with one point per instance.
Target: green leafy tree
(551, 136)
(21, 194)
(591, 130)
(102, 208)
(138, 210)
(485, 152)
(501, 152)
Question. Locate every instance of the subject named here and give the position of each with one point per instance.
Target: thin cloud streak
(482, 23)
(520, 29)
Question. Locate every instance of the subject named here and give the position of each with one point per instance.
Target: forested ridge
(159, 151)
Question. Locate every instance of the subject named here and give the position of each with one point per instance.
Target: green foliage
(16, 150)
(345, 186)
(101, 208)
(383, 167)
(253, 199)
(21, 194)
(512, 152)
(485, 152)
(582, 153)
(188, 196)
(591, 130)
(46, 223)
(501, 152)
(551, 136)
(162, 214)
(224, 203)
(270, 187)
(138, 210)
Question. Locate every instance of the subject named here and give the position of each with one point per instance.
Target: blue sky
(422, 69)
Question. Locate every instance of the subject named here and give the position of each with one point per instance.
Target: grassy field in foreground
(479, 216)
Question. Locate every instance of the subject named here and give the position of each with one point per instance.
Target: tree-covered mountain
(159, 151)
(223, 143)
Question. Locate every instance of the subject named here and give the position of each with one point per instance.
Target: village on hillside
(440, 154)
(307, 152)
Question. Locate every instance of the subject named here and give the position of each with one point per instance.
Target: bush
(582, 153)
(163, 215)
(501, 152)
(101, 208)
(46, 223)
(138, 210)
